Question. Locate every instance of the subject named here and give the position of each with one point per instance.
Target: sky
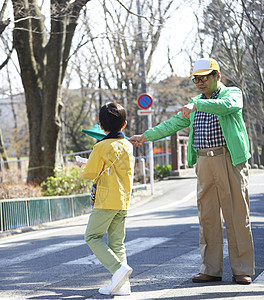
(178, 31)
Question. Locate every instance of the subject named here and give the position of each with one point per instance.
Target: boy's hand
(138, 140)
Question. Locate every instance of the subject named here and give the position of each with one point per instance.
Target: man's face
(207, 84)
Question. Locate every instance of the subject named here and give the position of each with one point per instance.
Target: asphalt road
(162, 247)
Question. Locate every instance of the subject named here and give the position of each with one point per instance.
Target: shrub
(162, 171)
(66, 183)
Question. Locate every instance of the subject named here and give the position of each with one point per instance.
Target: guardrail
(18, 213)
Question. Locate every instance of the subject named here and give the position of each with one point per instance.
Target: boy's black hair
(112, 117)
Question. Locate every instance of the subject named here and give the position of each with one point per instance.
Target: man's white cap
(204, 66)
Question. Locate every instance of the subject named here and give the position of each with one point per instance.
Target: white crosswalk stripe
(40, 252)
(132, 247)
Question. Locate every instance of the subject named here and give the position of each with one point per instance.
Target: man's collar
(214, 95)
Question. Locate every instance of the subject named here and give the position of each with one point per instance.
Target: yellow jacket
(114, 186)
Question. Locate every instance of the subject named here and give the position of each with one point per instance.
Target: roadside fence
(17, 213)
(22, 213)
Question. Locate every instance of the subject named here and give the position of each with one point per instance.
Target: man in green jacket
(218, 145)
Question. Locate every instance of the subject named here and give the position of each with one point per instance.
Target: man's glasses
(201, 78)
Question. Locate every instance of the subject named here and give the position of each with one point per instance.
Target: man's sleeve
(167, 128)
(230, 102)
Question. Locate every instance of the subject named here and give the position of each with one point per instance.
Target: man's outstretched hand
(138, 140)
(187, 109)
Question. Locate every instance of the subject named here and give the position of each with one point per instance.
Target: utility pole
(100, 89)
(148, 120)
(142, 72)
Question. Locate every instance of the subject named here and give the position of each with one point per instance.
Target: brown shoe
(200, 278)
(242, 279)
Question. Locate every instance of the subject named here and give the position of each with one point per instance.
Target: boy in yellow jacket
(111, 166)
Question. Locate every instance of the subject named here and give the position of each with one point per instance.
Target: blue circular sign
(144, 101)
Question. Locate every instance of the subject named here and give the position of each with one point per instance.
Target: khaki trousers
(222, 193)
(112, 221)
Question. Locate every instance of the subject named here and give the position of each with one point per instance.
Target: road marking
(132, 247)
(159, 208)
(174, 271)
(44, 232)
(10, 245)
(260, 279)
(36, 253)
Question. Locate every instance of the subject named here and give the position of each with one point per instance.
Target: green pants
(112, 254)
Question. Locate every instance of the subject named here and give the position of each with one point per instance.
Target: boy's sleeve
(94, 165)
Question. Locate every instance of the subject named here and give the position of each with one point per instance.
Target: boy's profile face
(112, 117)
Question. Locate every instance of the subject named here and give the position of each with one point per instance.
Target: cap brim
(201, 73)
(96, 132)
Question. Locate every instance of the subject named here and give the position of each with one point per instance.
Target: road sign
(144, 112)
(144, 101)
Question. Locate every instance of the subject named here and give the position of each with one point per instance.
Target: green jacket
(228, 108)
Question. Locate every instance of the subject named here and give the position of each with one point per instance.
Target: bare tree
(254, 39)
(81, 106)
(43, 57)
(3, 25)
(124, 55)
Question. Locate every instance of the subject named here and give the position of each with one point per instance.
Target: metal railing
(17, 213)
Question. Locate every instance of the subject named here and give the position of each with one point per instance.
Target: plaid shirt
(207, 129)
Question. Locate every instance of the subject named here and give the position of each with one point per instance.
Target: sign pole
(145, 102)
(151, 160)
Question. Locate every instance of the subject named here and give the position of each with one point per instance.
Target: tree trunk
(43, 66)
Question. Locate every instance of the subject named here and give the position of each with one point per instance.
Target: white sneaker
(120, 277)
(105, 290)
(124, 290)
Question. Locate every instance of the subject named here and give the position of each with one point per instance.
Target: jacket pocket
(102, 194)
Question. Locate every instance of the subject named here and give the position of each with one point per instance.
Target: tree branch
(3, 25)
(135, 14)
(7, 59)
